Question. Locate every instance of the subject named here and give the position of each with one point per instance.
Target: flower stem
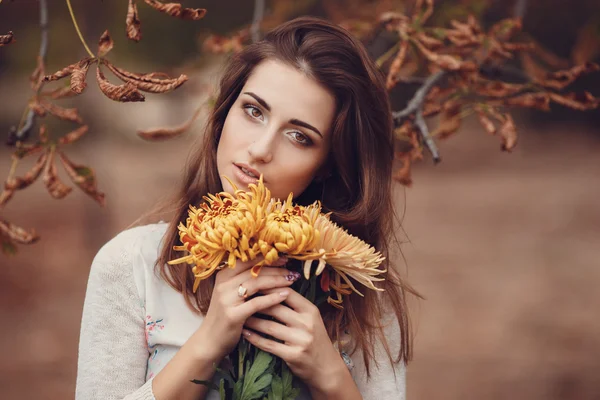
(78, 31)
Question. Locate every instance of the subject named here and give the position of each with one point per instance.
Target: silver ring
(242, 291)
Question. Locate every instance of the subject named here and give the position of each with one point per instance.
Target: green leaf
(222, 389)
(237, 389)
(257, 377)
(287, 380)
(276, 392)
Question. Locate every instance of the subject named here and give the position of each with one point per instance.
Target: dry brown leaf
(392, 77)
(27, 149)
(429, 42)
(43, 134)
(496, 89)
(461, 41)
(73, 135)
(147, 82)
(508, 133)
(79, 74)
(220, 44)
(159, 134)
(105, 44)
(450, 119)
(42, 106)
(7, 39)
(176, 10)
(66, 71)
(17, 234)
(503, 30)
(84, 177)
(123, 93)
(133, 24)
(59, 93)
(55, 187)
(487, 123)
(5, 196)
(560, 79)
(431, 109)
(18, 183)
(403, 174)
(577, 101)
(514, 47)
(538, 101)
(446, 61)
(426, 13)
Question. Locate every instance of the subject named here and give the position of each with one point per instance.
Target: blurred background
(505, 247)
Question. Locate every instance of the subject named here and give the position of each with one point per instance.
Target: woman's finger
(244, 310)
(297, 302)
(267, 282)
(283, 314)
(265, 271)
(271, 328)
(270, 346)
(243, 266)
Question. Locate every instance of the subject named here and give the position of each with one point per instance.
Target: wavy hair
(358, 192)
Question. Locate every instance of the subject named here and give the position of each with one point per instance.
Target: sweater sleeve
(113, 351)
(387, 381)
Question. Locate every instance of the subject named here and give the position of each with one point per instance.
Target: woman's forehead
(290, 93)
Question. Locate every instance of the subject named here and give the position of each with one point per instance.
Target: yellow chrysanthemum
(223, 227)
(347, 255)
(288, 229)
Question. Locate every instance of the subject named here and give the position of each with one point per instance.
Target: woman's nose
(261, 149)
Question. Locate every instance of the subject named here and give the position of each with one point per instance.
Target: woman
(307, 109)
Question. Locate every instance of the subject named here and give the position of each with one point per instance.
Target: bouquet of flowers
(248, 224)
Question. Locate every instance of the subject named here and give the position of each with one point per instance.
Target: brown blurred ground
(504, 247)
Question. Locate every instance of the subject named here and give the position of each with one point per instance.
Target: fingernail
(246, 333)
(292, 276)
(283, 294)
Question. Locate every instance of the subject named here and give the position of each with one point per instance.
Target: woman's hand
(222, 326)
(307, 349)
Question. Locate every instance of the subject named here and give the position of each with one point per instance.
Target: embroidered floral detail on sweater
(152, 327)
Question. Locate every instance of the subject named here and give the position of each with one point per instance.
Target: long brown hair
(358, 190)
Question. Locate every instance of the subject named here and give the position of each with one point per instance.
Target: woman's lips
(242, 177)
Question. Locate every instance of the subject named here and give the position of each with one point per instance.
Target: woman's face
(280, 127)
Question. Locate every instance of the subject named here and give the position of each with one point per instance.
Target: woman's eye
(301, 138)
(252, 111)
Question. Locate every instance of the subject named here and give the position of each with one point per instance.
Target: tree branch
(259, 12)
(415, 105)
(22, 134)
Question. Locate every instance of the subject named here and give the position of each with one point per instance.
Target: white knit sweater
(133, 323)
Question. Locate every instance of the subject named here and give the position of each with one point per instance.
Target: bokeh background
(505, 248)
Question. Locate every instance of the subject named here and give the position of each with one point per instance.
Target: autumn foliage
(462, 69)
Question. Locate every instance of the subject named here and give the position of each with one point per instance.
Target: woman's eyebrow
(294, 121)
(260, 100)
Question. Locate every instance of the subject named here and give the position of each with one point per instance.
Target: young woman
(306, 108)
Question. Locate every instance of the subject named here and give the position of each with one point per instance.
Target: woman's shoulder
(130, 244)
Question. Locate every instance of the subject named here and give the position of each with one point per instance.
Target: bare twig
(22, 132)
(419, 98)
(426, 137)
(415, 105)
(259, 12)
